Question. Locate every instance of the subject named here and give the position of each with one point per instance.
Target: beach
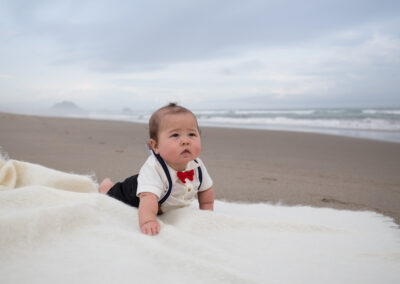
(289, 168)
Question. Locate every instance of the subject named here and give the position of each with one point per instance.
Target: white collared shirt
(152, 179)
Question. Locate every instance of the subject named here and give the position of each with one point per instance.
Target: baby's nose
(185, 140)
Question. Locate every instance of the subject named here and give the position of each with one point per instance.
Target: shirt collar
(192, 165)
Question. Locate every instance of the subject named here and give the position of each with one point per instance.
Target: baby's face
(178, 140)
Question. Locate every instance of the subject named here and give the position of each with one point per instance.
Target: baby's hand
(151, 227)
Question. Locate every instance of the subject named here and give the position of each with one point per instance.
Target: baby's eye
(193, 134)
(174, 135)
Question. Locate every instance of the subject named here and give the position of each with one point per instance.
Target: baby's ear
(153, 145)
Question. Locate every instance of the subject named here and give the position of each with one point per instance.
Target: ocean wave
(252, 112)
(362, 124)
(381, 111)
(378, 124)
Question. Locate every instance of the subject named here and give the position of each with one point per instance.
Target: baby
(172, 176)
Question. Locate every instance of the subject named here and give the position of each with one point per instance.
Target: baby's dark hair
(155, 119)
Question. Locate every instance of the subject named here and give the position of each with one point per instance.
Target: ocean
(369, 123)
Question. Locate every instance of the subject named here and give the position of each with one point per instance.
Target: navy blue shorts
(126, 191)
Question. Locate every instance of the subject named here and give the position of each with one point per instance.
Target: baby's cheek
(171, 154)
(197, 149)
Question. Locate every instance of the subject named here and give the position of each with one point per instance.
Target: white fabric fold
(48, 235)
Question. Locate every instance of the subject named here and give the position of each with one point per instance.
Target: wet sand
(246, 165)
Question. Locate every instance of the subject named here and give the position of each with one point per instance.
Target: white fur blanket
(76, 235)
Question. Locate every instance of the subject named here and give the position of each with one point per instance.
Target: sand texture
(246, 165)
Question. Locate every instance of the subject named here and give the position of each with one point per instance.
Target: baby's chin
(190, 156)
(187, 158)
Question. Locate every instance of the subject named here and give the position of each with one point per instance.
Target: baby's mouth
(186, 152)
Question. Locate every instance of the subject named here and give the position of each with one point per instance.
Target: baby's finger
(144, 230)
(154, 230)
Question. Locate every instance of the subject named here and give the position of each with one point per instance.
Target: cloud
(111, 36)
(281, 52)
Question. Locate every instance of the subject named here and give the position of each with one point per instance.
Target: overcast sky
(203, 54)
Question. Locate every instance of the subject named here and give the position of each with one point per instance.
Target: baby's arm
(206, 199)
(148, 209)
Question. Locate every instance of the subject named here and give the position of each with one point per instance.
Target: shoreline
(247, 165)
(391, 136)
(361, 133)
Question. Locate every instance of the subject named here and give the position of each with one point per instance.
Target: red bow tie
(185, 175)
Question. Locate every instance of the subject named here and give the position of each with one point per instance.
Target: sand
(247, 165)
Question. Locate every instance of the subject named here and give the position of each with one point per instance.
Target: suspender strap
(166, 171)
(200, 175)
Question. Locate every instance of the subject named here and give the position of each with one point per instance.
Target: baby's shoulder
(152, 166)
(199, 162)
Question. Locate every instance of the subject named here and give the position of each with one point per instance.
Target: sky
(202, 54)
